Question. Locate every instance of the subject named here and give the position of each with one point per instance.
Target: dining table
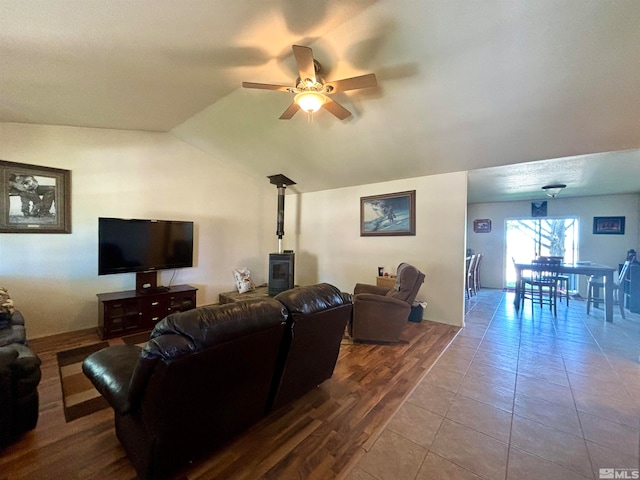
(579, 268)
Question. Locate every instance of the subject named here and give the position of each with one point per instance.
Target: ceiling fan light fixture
(312, 93)
(310, 102)
(553, 190)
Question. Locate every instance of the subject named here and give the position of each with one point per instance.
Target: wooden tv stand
(128, 312)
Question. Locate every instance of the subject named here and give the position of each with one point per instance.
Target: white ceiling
(584, 175)
(463, 85)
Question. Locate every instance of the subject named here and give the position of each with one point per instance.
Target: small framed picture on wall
(539, 209)
(608, 225)
(482, 225)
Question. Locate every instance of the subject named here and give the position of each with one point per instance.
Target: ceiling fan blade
(290, 111)
(304, 59)
(266, 86)
(353, 83)
(337, 109)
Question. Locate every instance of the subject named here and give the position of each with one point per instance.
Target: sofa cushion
(312, 298)
(6, 308)
(6, 304)
(242, 277)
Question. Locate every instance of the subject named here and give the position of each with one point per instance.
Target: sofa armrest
(110, 370)
(380, 300)
(7, 357)
(27, 363)
(12, 334)
(374, 289)
(17, 318)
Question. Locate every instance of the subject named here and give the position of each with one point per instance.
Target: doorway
(528, 238)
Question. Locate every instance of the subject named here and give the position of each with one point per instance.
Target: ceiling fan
(311, 90)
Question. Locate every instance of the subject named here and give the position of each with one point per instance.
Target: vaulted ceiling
(463, 85)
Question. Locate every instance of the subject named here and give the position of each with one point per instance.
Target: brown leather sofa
(209, 373)
(379, 314)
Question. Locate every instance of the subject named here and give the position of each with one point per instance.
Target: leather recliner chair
(379, 314)
(19, 378)
(318, 316)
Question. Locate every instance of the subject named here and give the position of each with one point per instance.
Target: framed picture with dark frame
(608, 225)
(34, 199)
(482, 225)
(539, 209)
(388, 214)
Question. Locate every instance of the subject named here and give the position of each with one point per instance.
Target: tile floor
(520, 396)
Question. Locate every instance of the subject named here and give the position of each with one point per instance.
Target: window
(527, 238)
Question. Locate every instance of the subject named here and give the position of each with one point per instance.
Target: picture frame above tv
(34, 199)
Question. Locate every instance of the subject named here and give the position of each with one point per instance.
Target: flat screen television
(133, 245)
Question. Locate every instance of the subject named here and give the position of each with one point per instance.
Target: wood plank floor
(319, 436)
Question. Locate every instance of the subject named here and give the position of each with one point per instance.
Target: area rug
(139, 339)
(79, 397)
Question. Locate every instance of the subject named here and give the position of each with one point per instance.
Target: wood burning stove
(281, 271)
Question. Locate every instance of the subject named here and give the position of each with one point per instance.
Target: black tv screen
(131, 245)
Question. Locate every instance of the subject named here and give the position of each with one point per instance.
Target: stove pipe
(281, 182)
(280, 220)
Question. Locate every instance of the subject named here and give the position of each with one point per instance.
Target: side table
(386, 282)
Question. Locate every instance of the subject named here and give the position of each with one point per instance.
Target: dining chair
(563, 280)
(596, 284)
(542, 286)
(524, 275)
(469, 282)
(476, 272)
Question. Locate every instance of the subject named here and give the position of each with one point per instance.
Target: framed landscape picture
(608, 225)
(34, 199)
(389, 214)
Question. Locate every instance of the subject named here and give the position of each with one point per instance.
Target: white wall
(329, 247)
(53, 277)
(605, 249)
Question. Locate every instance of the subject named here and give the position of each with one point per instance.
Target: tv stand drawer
(127, 312)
